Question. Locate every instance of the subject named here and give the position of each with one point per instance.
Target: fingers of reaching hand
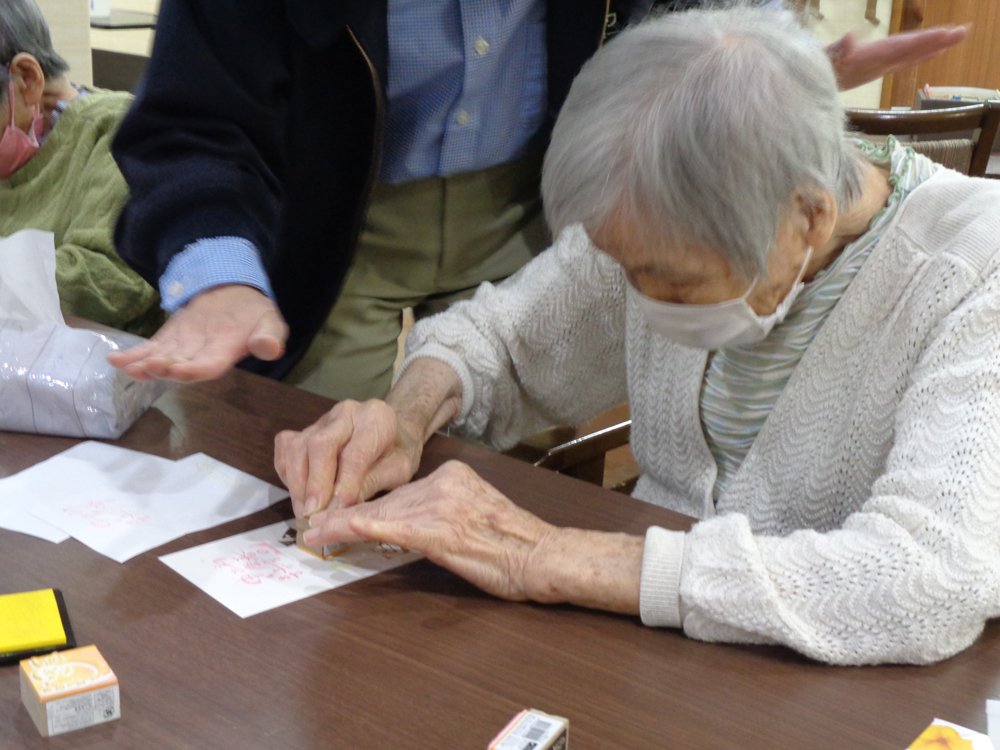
(209, 335)
(916, 46)
(857, 63)
(267, 341)
(207, 356)
(121, 359)
(163, 349)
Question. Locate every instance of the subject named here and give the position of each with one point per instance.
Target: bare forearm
(587, 568)
(427, 397)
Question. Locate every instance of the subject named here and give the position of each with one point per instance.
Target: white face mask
(716, 326)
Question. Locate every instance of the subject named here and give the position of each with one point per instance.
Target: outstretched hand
(206, 337)
(857, 63)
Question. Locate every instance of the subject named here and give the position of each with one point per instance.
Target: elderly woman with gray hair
(806, 329)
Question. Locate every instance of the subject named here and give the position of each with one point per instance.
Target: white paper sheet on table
(254, 572)
(15, 494)
(121, 502)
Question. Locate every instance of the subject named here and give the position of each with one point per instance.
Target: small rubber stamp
(68, 690)
(323, 551)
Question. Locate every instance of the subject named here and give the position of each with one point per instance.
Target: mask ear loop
(750, 288)
(805, 264)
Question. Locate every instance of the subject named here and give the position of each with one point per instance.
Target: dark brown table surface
(417, 658)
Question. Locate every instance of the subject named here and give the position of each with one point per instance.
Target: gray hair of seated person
(697, 127)
(23, 29)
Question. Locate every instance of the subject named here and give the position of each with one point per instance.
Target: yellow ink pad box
(68, 690)
(33, 622)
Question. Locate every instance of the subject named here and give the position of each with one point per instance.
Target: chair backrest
(954, 153)
(984, 117)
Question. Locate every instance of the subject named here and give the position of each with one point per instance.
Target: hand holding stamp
(323, 550)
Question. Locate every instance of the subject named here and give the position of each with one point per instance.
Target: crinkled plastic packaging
(56, 380)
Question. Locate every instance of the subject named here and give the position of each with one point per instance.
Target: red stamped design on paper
(104, 514)
(260, 562)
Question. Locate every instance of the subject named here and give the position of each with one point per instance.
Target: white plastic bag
(56, 380)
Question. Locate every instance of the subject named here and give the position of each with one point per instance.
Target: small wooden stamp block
(326, 550)
(69, 690)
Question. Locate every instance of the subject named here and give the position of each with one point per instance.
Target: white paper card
(122, 503)
(14, 514)
(256, 571)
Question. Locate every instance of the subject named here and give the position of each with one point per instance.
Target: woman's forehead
(647, 252)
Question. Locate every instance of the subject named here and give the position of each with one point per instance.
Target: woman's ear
(29, 80)
(815, 215)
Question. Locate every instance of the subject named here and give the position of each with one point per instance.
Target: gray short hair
(23, 29)
(698, 127)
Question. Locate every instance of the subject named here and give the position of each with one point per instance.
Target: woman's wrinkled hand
(351, 453)
(457, 520)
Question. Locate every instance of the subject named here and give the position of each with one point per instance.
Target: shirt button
(482, 46)
(462, 118)
(176, 289)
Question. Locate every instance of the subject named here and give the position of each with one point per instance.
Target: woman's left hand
(456, 520)
(462, 523)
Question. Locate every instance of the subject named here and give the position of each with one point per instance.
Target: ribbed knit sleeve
(913, 575)
(94, 282)
(72, 188)
(544, 347)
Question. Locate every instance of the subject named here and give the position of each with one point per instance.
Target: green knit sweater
(72, 188)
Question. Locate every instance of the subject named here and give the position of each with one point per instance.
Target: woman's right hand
(351, 453)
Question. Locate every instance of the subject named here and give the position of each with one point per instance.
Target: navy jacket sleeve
(202, 148)
(259, 119)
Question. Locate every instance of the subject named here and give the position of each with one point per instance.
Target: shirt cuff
(659, 590)
(208, 263)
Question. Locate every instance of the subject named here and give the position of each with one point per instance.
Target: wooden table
(416, 658)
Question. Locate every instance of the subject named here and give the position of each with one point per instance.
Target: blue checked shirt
(466, 91)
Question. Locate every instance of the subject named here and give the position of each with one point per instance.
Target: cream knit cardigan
(864, 524)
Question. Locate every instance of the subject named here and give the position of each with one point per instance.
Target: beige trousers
(425, 244)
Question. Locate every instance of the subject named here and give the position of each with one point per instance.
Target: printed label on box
(533, 730)
(69, 690)
(83, 710)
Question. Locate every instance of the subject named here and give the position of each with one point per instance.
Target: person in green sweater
(57, 174)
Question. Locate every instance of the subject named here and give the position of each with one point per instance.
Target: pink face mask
(16, 146)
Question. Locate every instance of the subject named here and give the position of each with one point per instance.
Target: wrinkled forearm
(591, 569)
(427, 396)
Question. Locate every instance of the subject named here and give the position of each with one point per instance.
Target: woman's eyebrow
(674, 275)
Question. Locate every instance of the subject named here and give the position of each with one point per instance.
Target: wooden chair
(581, 453)
(970, 156)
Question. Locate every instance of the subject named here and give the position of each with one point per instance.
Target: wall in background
(975, 62)
(69, 23)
